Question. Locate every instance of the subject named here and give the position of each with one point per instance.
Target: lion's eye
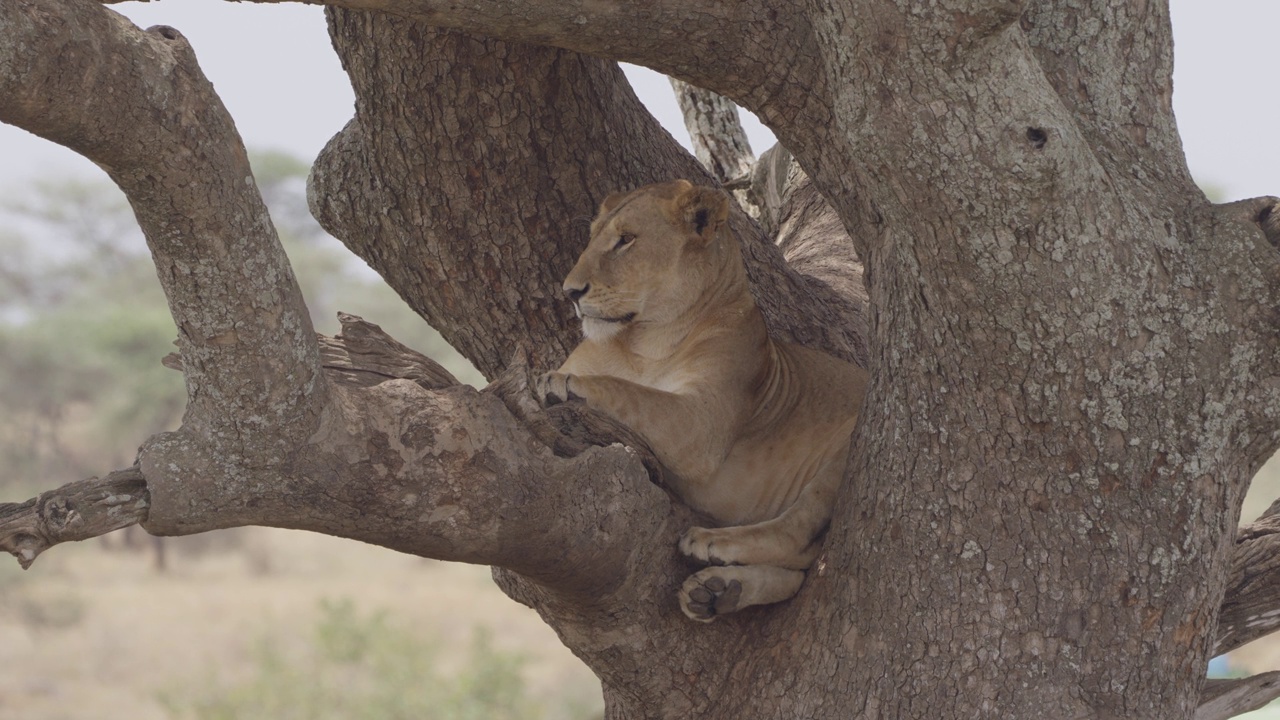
(624, 240)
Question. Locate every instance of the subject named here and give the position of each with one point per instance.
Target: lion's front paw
(706, 594)
(553, 388)
(707, 546)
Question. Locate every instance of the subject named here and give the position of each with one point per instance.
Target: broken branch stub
(76, 511)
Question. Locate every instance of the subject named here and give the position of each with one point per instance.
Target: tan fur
(755, 431)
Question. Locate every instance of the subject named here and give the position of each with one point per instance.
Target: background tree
(1073, 350)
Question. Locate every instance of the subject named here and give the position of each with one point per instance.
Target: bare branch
(719, 142)
(1222, 699)
(75, 511)
(1251, 606)
(362, 354)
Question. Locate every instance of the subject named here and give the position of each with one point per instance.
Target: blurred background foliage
(362, 666)
(83, 321)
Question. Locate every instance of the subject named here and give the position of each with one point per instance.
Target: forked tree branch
(266, 439)
(1115, 77)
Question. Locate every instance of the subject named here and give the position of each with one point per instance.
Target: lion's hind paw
(706, 594)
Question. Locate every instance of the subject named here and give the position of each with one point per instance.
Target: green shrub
(363, 668)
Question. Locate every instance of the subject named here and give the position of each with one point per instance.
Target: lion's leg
(720, 590)
(790, 540)
(775, 542)
(681, 429)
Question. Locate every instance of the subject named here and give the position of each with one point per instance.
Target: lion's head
(653, 254)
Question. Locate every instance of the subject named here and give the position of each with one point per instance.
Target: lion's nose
(575, 294)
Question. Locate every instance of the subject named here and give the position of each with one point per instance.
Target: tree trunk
(1073, 353)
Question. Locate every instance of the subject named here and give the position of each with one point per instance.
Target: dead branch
(362, 354)
(1222, 699)
(76, 511)
(1251, 608)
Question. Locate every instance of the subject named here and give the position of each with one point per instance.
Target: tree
(1073, 351)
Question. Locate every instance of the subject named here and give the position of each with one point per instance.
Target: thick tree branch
(1250, 230)
(1261, 211)
(446, 470)
(262, 442)
(756, 51)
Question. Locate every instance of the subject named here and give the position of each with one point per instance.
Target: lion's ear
(703, 209)
(612, 201)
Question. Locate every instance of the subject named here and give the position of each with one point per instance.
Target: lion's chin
(599, 329)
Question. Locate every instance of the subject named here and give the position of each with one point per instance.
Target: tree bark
(719, 142)
(1073, 353)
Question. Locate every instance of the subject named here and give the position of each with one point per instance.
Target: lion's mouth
(602, 318)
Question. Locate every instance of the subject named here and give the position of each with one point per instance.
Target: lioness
(756, 431)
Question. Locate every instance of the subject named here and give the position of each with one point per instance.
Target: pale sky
(276, 72)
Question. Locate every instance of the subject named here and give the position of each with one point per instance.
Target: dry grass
(92, 634)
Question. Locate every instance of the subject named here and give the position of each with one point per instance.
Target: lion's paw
(708, 546)
(553, 388)
(706, 594)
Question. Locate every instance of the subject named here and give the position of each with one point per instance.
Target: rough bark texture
(75, 511)
(1074, 354)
